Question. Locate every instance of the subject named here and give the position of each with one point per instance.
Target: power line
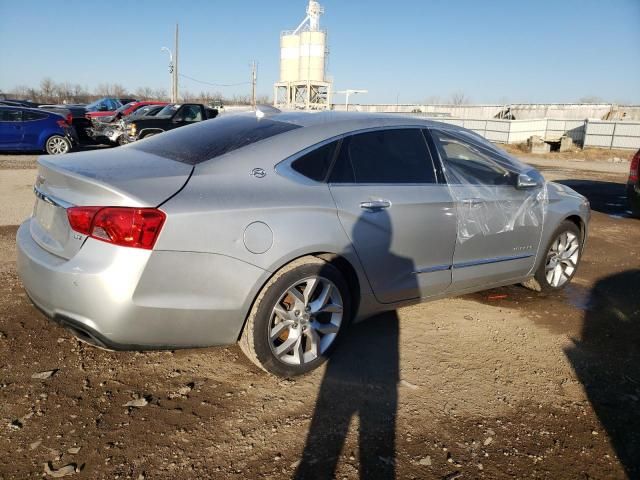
(214, 84)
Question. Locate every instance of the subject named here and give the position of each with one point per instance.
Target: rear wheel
(297, 317)
(57, 145)
(561, 260)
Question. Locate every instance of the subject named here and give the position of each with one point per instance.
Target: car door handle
(375, 204)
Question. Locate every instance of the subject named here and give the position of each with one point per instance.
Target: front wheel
(57, 145)
(296, 318)
(562, 256)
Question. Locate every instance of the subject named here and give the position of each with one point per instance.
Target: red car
(633, 185)
(123, 111)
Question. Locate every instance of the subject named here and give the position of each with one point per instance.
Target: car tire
(289, 334)
(561, 259)
(57, 145)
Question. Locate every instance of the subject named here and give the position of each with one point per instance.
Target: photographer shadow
(360, 381)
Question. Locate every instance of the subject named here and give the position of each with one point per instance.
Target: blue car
(23, 129)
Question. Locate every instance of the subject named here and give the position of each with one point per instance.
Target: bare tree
(118, 90)
(459, 98)
(46, 90)
(20, 91)
(144, 93)
(432, 99)
(80, 94)
(52, 92)
(590, 99)
(263, 100)
(160, 94)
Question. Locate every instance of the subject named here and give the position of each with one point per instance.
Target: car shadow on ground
(605, 197)
(606, 360)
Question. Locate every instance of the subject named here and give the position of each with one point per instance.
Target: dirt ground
(500, 384)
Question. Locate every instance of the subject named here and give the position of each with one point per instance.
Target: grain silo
(289, 57)
(303, 57)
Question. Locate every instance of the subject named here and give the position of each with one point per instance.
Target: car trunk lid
(122, 177)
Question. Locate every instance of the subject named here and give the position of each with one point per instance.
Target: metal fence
(587, 133)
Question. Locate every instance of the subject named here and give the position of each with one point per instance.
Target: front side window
(466, 163)
(315, 164)
(384, 156)
(10, 115)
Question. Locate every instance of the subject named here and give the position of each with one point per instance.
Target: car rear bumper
(125, 298)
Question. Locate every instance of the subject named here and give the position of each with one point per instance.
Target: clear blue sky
(410, 50)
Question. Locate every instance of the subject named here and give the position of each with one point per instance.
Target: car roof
(356, 120)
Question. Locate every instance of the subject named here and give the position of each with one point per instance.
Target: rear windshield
(211, 138)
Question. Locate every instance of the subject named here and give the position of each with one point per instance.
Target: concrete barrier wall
(519, 111)
(587, 133)
(605, 134)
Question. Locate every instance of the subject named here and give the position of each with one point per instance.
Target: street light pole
(348, 92)
(175, 67)
(171, 70)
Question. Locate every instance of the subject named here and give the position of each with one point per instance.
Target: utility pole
(174, 94)
(254, 79)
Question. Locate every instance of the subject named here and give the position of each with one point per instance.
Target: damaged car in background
(173, 115)
(277, 230)
(110, 130)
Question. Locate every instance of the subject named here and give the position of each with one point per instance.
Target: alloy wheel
(562, 259)
(305, 321)
(57, 145)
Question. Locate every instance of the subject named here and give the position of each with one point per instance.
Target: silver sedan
(277, 230)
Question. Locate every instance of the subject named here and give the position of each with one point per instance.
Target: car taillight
(70, 119)
(633, 170)
(124, 226)
(62, 123)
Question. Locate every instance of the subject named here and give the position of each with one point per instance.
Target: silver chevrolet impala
(276, 230)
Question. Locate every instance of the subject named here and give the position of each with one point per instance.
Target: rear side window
(10, 115)
(384, 156)
(28, 116)
(315, 164)
(203, 141)
(466, 163)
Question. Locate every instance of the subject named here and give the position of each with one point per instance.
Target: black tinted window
(315, 165)
(466, 163)
(10, 115)
(27, 116)
(385, 156)
(203, 141)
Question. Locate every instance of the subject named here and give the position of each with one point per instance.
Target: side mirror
(524, 181)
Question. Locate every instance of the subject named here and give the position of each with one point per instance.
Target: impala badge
(258, 173)
(39, 180)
